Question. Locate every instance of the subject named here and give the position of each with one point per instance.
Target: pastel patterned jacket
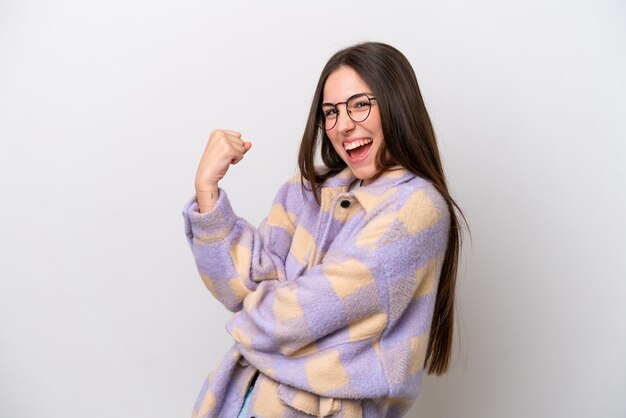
(333, 303)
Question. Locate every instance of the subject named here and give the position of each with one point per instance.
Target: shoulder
(399, 189)
(421, 193)
(420, 205)
(403, 206)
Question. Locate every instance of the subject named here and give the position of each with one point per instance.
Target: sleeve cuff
(217, 221)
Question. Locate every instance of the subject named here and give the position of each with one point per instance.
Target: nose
(344, 122)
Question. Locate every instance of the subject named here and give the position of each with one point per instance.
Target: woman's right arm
(233, 256)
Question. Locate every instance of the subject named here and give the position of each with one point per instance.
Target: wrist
(202, 188)
(207, 197)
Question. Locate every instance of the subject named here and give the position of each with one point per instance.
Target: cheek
(335, 142)
(375, 125)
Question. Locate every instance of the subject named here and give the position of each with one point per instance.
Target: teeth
(355, 144)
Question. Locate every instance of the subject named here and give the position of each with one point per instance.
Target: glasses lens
(329, 113)
(359, 107)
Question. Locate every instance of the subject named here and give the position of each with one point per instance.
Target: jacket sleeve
(320, 330)
(231, 255)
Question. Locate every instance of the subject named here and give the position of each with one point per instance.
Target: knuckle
(218, 134)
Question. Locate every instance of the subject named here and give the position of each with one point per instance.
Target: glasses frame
(336, 106)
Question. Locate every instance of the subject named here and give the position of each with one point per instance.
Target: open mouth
(357, 150)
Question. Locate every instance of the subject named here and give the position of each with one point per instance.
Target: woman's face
(356, 142)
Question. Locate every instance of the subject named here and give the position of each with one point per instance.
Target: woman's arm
(230, 254)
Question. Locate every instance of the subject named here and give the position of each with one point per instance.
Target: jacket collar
(369, 196)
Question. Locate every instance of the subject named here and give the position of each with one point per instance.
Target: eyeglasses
(358, 108)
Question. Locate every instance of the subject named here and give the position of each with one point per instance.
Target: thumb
(246, 146)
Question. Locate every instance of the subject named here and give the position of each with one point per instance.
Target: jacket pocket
(309, 403)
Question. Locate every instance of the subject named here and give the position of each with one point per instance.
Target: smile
(358, 150)
(355, 144)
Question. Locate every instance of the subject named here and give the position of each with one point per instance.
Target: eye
(329, 112)
(362, 104)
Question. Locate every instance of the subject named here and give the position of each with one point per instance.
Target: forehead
(343, 83)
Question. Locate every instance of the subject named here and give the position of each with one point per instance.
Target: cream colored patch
(418, 213)
(329, 406)
(367, 200)
(242, 257)
(209, 239)
(368, 327)
(309, 403)
(328, 197)
(268, 371)
(346, 173)
(267, 403)
(395, 172)
(371, 234)
(242, 338)
(418, 346)
(208, 403)
(307, 350)
(273, 274)
(239, 289)
(326, 372)
(351, 408)
(348, 277)
(280, 218)
(376, 347)
(302, 243)
(426, 279)
(252, 300)
(286, 305)
(370, 201)
(208, 282)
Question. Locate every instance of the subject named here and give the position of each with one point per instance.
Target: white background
(105, 108)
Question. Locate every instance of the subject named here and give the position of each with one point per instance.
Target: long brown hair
(410, 142)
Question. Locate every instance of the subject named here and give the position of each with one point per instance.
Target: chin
(364, 173)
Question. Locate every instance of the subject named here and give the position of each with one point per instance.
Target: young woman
(344, 296)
